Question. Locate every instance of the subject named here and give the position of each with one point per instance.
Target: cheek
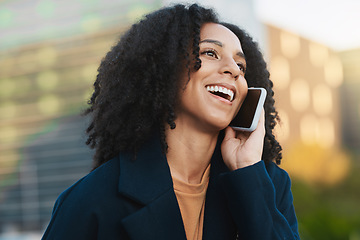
(242, 82)
(243, 89)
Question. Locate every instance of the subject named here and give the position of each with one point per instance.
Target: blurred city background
(49, 54)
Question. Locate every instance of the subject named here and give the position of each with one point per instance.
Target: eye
(242, 67)
(210, 53)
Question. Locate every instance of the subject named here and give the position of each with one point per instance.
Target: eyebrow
(212, 41)
(220, 44)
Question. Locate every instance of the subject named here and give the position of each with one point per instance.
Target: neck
(189, 152)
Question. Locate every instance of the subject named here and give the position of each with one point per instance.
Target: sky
(334, 23)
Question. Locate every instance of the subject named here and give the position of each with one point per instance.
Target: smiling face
(216, 91)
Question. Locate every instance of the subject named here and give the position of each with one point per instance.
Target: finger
(229, 133)
(262, 118)
(262, 121)
(260, 129)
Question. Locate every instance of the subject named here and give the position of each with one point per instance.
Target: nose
(230, 67)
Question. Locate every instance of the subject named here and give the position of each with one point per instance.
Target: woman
(167, 166)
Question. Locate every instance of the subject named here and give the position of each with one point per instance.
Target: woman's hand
(241, 149)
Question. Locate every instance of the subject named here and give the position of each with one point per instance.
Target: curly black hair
(138, 81)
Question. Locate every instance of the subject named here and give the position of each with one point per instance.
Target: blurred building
(49, 54)
(307, 78)
(350, 101)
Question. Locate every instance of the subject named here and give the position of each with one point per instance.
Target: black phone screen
(246, 113)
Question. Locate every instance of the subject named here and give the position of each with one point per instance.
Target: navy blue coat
(135, 199)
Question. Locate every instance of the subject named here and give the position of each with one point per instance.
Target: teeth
(222, 90)
(231, 95)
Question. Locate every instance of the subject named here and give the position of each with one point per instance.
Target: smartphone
(249, 114)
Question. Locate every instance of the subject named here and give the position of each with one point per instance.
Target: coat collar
(147, 181)
(148, 176)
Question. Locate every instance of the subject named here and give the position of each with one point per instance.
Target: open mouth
(221, 91)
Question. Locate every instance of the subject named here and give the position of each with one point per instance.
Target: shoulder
(93, 187)
(88, 205)
(277, 174)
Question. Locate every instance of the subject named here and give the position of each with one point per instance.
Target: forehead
(222, 34)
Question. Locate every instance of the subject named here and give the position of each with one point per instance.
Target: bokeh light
(6, 18)
(309, 126)
(89, 72)
(322, 99)
(47, 80)
(9, 134)
(318, 53)
(49, 104)
(299, 94)
(290, 44)
(325, 133)
(333, 71)
(280, 72)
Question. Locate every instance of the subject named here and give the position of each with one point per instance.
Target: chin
(222, 122)
(220, 125)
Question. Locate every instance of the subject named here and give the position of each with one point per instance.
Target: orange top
(191, 199)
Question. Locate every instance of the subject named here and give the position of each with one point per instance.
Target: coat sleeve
(261, 202)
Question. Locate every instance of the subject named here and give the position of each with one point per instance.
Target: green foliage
(329, 212)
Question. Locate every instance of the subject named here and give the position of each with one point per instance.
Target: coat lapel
(218, 222)
(147, 181)
(160, 219)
